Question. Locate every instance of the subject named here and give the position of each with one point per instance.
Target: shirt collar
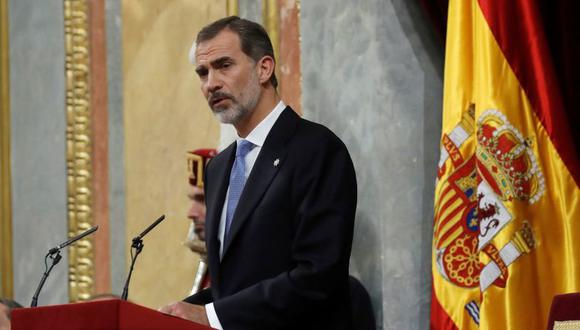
(258, 135)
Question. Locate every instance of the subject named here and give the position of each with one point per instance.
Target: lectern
(565, 312)
(106, 314)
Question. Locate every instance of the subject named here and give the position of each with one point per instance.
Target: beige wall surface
(165, 115)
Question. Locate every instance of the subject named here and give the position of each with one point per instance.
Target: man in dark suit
(280, 200)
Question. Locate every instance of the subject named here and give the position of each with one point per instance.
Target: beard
(240, 107)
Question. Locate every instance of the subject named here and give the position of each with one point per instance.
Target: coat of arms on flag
(506, 236)
(476, 196)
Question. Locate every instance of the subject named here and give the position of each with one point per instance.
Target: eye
(201, 72)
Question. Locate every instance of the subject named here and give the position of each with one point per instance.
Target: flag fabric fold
(506, 235)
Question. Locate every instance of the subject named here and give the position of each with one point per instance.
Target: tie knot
(244, 147)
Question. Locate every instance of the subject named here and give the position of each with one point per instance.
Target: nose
(214, 82)
(193, 212)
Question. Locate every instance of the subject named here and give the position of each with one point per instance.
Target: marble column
(372, 74)
(38, 126)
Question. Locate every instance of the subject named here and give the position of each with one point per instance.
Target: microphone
(54, 254)
(72, 240)
(148, 229)
(138, 246)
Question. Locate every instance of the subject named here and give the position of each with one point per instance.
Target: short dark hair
(253, 38)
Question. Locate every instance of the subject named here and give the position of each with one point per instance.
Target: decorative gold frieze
(78, 148)
(270, 15)
(6, 287)
(232, 7)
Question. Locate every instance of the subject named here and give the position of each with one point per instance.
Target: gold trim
(195, 165)
(78, 153)
(232, 8)
(298, 9)
(6, 286)
(270, 13)
(567, 325)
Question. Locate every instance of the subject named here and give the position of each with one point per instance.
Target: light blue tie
(237, 181)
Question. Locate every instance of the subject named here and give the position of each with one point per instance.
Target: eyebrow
(220, 61)
(195, 194)
(215, 63)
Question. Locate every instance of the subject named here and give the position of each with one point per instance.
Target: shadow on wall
(422, 36)
(428, 48)
(365, 260)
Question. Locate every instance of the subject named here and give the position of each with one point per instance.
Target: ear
(266, 67)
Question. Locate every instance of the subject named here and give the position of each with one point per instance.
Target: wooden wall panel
(165, 115)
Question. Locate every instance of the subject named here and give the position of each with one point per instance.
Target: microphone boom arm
(138, 246)
(54, 254)
(55, 259)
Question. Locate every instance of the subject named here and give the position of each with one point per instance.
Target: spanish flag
(507, 200)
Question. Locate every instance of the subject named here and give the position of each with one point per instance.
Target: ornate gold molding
(299, 9)
(270, 13)
(78, 149)
(6, 285)
(232, 8)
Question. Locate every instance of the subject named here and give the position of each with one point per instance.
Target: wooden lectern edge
(115, 306)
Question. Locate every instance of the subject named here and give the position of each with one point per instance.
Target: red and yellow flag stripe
(506, 233)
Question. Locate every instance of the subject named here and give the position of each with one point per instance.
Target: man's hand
(4, 320)
(186, 311)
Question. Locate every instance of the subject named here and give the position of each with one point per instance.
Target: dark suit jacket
(285, 261)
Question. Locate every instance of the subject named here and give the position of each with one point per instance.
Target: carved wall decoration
(78, 149)
(270, 21)
(6, 271)
(232, 7)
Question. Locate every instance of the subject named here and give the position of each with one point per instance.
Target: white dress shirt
(257, 136)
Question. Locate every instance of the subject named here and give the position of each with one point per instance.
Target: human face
(197, 211)
(229, 78)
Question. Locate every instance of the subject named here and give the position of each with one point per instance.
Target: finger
(167, 309)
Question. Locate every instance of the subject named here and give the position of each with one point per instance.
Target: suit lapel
(220, 180)
(267, 165)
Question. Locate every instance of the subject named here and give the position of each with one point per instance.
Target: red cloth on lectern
(107, 314)
(565, 307)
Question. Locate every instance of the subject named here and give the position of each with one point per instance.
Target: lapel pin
(277, 161)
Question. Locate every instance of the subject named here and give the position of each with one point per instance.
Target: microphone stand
(138, 246)
(55, 256)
